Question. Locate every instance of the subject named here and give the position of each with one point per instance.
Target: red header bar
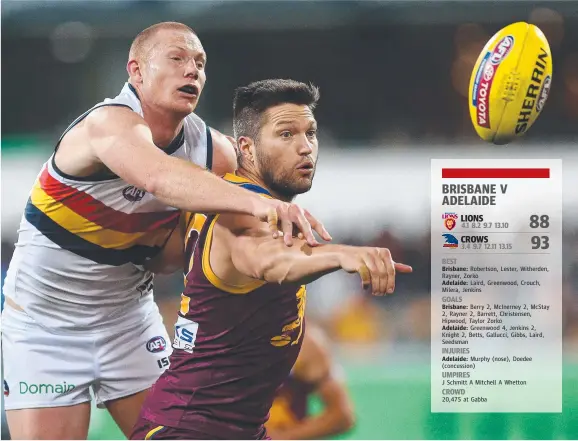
(496, 173)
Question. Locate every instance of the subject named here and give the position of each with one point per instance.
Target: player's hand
(375, 267)
(283, 217)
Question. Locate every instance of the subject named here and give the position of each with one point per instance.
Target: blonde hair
(141, 41)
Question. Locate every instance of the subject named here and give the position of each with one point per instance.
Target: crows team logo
(450, 220)
(451, 241)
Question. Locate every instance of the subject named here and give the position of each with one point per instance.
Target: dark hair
(250, 102)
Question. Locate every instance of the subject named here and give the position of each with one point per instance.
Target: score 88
(543, 221)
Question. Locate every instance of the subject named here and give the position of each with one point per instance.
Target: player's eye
(312, 133)
(176, 58)
(286, 134)
(200, 65)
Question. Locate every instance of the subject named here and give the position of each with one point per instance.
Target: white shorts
(45, 369)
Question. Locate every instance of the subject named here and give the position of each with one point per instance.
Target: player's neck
(164, 127)
(254, 177)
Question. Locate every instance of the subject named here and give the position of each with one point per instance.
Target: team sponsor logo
(45, 388)
(156, 344)
(544, 92)
(450, 241)
(185, 334)
(489, 72)
(450, 220)
(133, 194)
(485, 78)
(536, 93)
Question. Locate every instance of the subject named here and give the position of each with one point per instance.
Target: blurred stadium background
(394, 81)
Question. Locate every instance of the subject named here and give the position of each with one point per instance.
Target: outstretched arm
(122, 141)
(255, 255)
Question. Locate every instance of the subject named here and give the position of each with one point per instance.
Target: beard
(287, 183)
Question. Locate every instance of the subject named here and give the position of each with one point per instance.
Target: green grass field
(393, 402)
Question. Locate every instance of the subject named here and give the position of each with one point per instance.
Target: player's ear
(133, 69)
(246, 147)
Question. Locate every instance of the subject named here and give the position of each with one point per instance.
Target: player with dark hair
(241, 321)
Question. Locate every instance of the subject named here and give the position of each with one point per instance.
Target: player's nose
(191, 70)
(305, 146)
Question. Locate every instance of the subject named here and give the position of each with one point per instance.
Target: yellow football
(510, 83)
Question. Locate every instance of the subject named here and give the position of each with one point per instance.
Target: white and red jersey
(82, 241)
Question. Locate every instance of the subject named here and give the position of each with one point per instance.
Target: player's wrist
(339, 254)
(247, 202)
(260, 206)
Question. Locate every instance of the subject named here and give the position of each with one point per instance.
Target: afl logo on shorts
(156, 344)
(133, 194)
(6, 389)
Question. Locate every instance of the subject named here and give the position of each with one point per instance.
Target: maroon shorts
(145, 429)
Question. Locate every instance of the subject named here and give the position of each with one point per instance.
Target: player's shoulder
(224, 153)
(247, 184)
(101, 124)
(126, 105)
(104, 118)
(110, 112)
(242, 224)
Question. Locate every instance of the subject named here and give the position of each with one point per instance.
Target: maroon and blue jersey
(233, 347)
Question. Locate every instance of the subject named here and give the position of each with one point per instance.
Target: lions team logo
(450, 223)
(156, 344)
(133, 194)
(450, 220)
(451, 241)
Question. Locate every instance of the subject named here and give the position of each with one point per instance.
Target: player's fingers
(303, 224)
(373, 271)
(317, 226)
(402, 268)
(363, 272)
(383, 273)
(389, 264)
(273, 221)
(370, 258)
(286, 225)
